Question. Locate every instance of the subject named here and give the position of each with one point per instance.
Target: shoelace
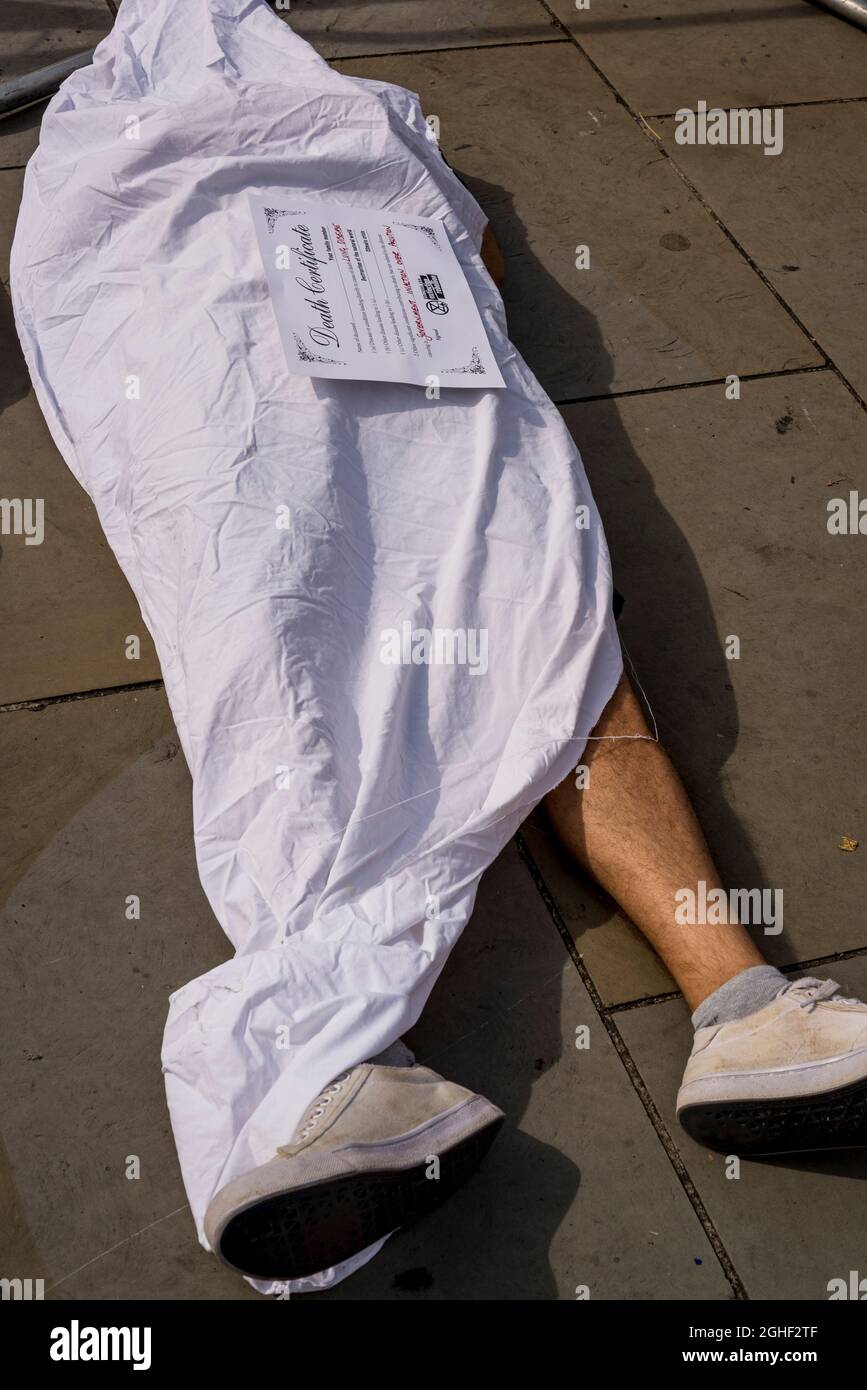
(320, 1106)
(816, 992)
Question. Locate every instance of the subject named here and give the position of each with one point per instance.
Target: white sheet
(345, 806)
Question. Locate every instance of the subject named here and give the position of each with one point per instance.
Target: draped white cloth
(345, 805)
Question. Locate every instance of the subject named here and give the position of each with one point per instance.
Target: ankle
(745, 993)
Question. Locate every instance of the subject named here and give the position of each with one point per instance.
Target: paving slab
(577, 1191)
(800, 216)
(101, 811)
(741, 53)
(11, 184)
(790, 1225)
(557, 163)
(341, 28)
(66, 609)
(95, 807)
(34, 35)
(19, 136)
(335, 30)
(716, 515)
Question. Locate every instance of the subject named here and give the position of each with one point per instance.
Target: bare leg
(634, 830)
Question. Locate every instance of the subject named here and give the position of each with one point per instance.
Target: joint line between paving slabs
(635, 1077)
(693, 385)
(46, 700)
(702, 201)
(821, 961)
(784, 105)
(447, 48)
(628, 1005)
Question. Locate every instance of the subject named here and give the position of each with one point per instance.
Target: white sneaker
(359, 1167)
(788, 1079)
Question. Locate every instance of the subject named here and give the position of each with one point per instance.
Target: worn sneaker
(788, 1079)
(360, 1165)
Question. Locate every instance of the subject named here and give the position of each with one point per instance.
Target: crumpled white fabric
(344, 808)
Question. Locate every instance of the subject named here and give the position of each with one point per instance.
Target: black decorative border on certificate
(307, 356)
(271, 215)
(417, 227)
(474, 366)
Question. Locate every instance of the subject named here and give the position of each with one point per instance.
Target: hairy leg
(633, 829)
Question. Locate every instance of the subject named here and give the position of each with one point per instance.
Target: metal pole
(854, 10)
(31, 87)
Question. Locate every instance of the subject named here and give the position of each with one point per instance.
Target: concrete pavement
(705, 262)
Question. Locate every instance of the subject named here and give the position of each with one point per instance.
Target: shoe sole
(293, 1234)
(834, 1119)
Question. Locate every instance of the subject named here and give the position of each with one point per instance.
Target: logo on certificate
(435, 300)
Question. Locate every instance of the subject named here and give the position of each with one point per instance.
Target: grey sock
(743, 994)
